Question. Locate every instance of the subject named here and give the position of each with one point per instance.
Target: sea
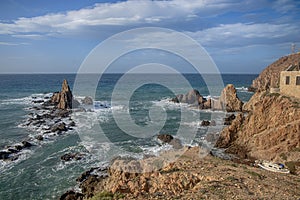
(39, 172)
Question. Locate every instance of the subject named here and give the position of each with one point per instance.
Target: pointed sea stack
(64, 98)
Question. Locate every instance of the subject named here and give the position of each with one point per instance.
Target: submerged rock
(165, 138)
(4, 155)
(169, 139)
(87, 101)
(72, 156)
(26, 144)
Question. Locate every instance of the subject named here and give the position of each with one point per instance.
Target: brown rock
(193, 98)
(228, 100)
(169, 139)
(87, 101)
(64, 98)
(229, 133)
(165, 138)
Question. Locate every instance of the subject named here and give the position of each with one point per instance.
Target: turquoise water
(39, 173)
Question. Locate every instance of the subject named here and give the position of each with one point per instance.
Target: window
(287, 80)
(298, 80)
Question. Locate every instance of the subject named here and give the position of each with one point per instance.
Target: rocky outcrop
(270, 129)
(229, 133)
(87, 101)
(193, 98)
(228, 100)
(72, 156)
(64, 98)
(169, 139)
(188, 177)
(208, 123)
(270, 76)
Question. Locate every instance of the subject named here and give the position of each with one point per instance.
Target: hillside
(270, 75)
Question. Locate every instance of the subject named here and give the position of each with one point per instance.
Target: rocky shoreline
(49, 118)
(189, 176)
(266, 127)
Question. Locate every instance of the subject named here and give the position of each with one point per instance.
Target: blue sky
(55, 36)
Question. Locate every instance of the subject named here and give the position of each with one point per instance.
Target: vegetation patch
(105, 195)
(254, 174)
(170, 170)
(283, 156)
(292, 166)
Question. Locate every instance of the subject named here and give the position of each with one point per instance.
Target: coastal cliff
(269, 128)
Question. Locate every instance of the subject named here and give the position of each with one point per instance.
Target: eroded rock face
(228, 100)
(229, 133)
(270, 129)
(64, 98)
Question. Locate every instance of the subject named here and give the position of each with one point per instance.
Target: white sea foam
(243, 89)
(28, 100)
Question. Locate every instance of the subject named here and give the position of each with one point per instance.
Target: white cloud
(240, 34)
(12, 43)
(285, 6)
(132, 12)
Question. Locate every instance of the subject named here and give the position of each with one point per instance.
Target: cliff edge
(269, 128)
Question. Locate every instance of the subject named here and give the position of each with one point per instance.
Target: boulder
(87, 101)
(71, 156)
(26, 144)
(59, 127)
(4, 155)
(169, 139)
(39, 137)
(205, 123)
(165, 138)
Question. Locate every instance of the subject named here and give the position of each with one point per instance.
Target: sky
(56, 36)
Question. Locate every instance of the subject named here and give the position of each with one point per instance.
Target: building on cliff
(290, 81)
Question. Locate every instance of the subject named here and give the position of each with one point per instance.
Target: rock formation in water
(228, 100)
(193, 98)
(87, 101)
(64, 98)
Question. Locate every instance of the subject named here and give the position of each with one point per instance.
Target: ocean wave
(243, 89)
(35, 98)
